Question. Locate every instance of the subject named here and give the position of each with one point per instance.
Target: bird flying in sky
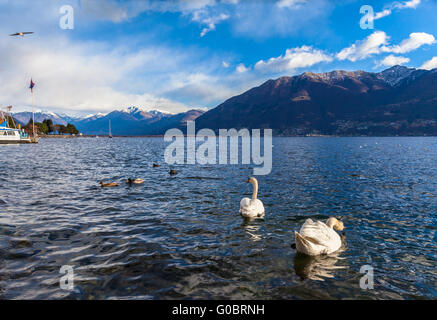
(20, 34)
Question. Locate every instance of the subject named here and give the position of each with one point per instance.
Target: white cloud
(360, 50)
(415, 41)
(388, 10)
(382, 14)
(293, 59)
(413, 4)
(289, 3)
(210, 22)
(90, 76)
(225, 64)
(392, 60)
(377, 43)
(241, 68)
(429, 65)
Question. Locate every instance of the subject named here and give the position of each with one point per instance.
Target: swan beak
(248, 180)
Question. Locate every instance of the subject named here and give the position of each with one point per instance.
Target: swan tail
(303, 245)
(301, 239)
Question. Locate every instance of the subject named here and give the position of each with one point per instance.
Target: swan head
(252, 180)
(335, 224)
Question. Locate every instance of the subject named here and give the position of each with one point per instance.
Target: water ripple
(181, 237)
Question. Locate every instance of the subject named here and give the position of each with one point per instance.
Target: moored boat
(13, 136)
(10, 135)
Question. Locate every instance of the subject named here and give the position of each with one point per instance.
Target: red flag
(32, 85)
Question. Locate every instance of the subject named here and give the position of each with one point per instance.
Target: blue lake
(181, 237)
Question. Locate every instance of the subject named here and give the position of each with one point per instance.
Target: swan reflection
(317, 267)
(253, 230)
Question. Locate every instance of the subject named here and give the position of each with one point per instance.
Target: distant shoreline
(275, 136)
(95, 136)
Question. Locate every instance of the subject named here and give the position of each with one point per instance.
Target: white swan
(319, 238)
(252, 208)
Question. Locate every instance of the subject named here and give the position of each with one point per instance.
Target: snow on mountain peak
(158, 112)
(97, 115)
(135, 110)
(395, 74)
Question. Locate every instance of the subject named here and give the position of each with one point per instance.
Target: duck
(135, 181)
(173, 172)
(155, 165)
(108, 185)
(252, 208)
(317, 238)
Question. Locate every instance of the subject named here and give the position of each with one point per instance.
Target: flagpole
(33, 115)
(32, 85)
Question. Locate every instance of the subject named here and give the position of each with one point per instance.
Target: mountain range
(132, 121)
(396, 101)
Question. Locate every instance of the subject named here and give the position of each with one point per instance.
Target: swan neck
(255, 190)
(331, 223)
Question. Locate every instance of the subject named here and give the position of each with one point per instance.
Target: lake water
(181, 237)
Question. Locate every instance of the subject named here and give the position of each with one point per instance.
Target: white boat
(10, 135)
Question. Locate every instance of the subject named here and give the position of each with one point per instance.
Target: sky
(178, 55)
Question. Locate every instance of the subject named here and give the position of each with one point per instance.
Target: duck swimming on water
(108, 185)
(135, 181)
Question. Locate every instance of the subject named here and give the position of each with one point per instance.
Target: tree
(71, 129)
(39, 127)
(61, 129)
(42, 127)
(49, 124)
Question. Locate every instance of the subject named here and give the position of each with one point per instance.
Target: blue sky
(183, 54)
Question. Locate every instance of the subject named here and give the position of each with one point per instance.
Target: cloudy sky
(181, 54)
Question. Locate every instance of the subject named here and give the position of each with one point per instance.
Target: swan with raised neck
(254, 183)
(252, 208)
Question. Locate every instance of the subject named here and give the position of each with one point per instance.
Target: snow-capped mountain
(127, 121)
(396, 101)
(392, 76)
(395, 75)
(24, 117)
(134, 121)
(143, 113)
(94, 116)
